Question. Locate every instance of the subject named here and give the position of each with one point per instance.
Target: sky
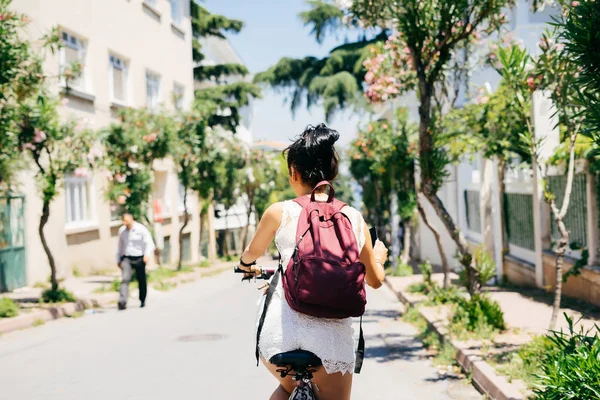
(273, 30)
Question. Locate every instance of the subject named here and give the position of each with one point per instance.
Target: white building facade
(134, 53)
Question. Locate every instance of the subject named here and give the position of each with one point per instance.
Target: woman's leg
(331, 386)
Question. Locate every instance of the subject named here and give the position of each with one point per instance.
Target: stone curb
(103, 300)
(484, 376)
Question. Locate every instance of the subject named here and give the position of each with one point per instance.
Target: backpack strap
(268, 297)
(360, 351)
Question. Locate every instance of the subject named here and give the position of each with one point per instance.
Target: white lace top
(284, 329)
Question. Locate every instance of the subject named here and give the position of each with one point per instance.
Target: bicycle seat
(296, 358)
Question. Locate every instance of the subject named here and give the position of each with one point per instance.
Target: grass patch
(38, 322)
(445, 356)
(477, 318)
(76, 314)
(164, 286)
(439, 296)
(525, 363)
(59, 295)
(204, 264)
(402, 269)
(76, 272)
(114, 286)
(418, 287)
(414, 317)
(161, 274)
(8, 308)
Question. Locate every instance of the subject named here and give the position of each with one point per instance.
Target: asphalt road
(197, 342)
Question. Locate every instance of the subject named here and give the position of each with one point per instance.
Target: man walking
(133, 252)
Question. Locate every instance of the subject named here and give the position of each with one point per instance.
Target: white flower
(133, 165)
(134, 149)
(262, 186)
(272, 184)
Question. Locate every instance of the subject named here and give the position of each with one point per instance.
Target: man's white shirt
(134, 242)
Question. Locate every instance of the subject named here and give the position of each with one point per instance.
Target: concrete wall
(519, 272)
(585, 286)
(148, 40)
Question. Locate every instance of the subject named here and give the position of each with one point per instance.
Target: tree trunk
(212, 240)
(395, 225)
(560, 255)
(43, 221)
(502, 211)
(185, 223)
(201, 232)
(426, 148)
(438, 240)
(405, 257)
(226, 234)
(559, 216)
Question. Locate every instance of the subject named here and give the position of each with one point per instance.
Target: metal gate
(12, 243)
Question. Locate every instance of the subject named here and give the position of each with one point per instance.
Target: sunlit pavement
(197, 342)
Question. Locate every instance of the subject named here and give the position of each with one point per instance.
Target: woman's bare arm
(265, 233)
(373, 258)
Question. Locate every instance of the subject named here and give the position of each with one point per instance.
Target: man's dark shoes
(143, 304)
(122, 306)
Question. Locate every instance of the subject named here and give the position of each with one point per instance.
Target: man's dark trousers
(128, 265)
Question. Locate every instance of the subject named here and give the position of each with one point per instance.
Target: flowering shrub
(131, 146)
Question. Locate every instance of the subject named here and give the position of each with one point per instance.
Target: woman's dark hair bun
(313, 154)
(320, 136)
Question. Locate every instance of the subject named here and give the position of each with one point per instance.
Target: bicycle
(299, 364)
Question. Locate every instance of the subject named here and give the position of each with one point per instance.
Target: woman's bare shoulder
(274, 211)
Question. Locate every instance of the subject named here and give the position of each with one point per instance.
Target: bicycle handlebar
(265, 273)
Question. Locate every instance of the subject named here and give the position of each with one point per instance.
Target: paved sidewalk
(523, 308)
(527, 313)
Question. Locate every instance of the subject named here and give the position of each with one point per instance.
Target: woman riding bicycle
(311, 159)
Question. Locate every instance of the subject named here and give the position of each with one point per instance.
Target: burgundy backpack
(324, 277)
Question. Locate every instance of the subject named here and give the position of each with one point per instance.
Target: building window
(176, 11)
(73, 52)
(152, 90)
(178, 96)
(78, 196)
(118, 79)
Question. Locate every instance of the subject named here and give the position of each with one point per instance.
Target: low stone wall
(585, 286)
(519, 272)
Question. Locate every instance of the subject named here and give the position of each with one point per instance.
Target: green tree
(335, 81)
(30, 125)
(58, 149)
(261, 171)
(225, 99)
(131, 146)
(21, 78)
(579, 30)
(491, 126)
(555, 71)
(430, 35)
(382, 160)
(188, 149)
(230, 175)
